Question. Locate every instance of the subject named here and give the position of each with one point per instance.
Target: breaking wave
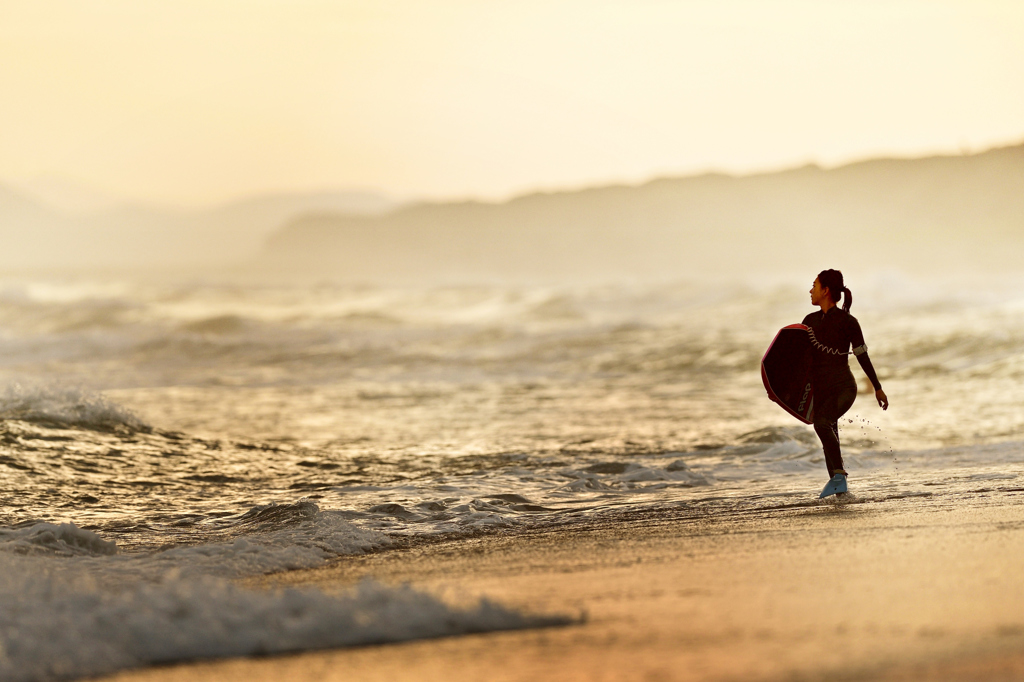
(65, 539)
(64, 406)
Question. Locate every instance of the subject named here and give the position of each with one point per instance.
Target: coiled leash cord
(859, 350)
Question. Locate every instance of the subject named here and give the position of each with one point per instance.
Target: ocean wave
(273, 538)
(62, 624)
(269, 539)
(279, 515)
(780, 434)
(218, 325)
(631, 476)
(65, 539)
(66, 406)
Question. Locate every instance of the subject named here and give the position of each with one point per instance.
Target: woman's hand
(883, 402)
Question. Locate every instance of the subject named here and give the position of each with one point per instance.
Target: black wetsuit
(835, 389)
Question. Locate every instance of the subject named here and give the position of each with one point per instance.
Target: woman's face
(817, 293)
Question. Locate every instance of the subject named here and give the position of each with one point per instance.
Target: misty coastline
(933, 215)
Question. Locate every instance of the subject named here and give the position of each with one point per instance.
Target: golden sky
(193, 102)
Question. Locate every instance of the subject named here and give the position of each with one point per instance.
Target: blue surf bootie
(835, 486)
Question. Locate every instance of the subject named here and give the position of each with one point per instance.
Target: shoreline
(909, 588)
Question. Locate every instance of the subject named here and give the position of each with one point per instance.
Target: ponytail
(833, 281)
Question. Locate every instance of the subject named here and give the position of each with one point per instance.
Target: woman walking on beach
(833, 331)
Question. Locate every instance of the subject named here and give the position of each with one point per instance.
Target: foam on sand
(62, 624)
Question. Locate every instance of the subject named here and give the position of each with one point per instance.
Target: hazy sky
(198, 101)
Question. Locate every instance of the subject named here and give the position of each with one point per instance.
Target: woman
(832, 333)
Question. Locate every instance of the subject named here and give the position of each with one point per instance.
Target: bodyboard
(786, 372)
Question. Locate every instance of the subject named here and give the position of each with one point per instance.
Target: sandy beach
(918, 587)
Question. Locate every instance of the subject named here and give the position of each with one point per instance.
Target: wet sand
(914, 588)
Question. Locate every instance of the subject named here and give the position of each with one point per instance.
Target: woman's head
(831, 284)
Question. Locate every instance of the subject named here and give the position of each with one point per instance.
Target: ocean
(163, 439)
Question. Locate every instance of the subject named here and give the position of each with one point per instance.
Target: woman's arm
(869, 369)
(860, 349)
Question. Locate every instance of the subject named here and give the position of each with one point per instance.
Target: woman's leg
(834, 404)
(828, 431)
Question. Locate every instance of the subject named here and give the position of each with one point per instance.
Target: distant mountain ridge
(934, 213)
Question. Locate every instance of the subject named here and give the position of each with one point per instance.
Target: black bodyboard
(786, 372)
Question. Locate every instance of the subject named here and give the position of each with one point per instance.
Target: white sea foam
(59, 622)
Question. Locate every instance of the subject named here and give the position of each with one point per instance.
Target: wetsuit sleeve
(860, 349)
(869, 369)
